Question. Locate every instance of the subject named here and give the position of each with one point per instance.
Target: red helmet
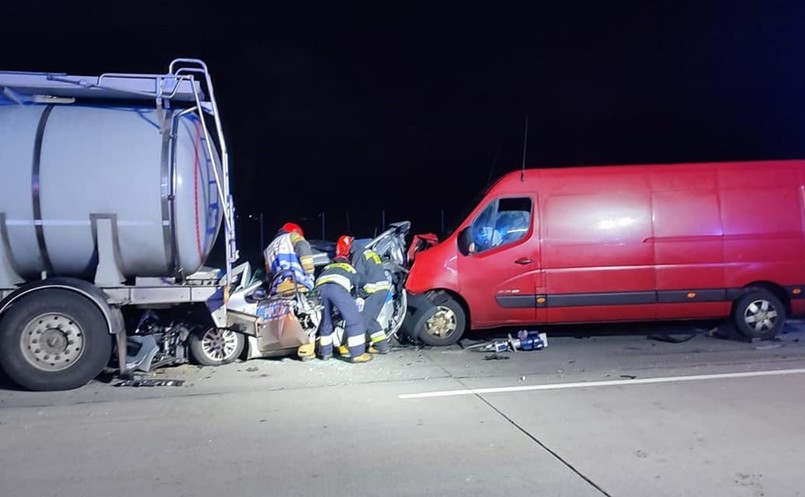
(291, 227)
(343, 245)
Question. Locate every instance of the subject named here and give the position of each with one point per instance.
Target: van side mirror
(464, 241)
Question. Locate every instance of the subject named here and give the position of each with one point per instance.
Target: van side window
(502, 222)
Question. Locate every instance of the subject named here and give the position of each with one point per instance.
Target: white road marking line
(591, 384)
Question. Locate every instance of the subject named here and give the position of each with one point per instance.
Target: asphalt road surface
(603, 415)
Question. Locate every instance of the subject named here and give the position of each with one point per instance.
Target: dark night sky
(403, 109)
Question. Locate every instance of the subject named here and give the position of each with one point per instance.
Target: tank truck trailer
(114, 190)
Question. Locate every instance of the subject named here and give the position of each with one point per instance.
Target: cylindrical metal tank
(64, 167)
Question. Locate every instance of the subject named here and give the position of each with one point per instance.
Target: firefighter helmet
(292, 227)
(343, 245)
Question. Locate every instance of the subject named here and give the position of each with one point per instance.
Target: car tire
(759, 313)
(215, 346)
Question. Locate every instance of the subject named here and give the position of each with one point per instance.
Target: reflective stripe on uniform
(325, 340)
(356, 341)
(307, 263)
(377, 336)
(372, 255)
(335, 278)
(343, 265)
(376, 287)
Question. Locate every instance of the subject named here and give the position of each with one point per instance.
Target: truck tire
(54, 340)
(439, 325)
(758, 313)
(215, 346)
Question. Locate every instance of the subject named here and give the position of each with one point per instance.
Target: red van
(619, 244)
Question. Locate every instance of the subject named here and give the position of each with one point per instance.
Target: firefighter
(289, 269)
(335, 285)
(289, 254)
(374, 289)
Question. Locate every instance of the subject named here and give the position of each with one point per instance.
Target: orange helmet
(291, 227)
(343, 245)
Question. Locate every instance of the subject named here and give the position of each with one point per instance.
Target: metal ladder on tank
(179, 85)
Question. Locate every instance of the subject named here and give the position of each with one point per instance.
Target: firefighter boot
(379, 343)
(361, 358)
(306, 352)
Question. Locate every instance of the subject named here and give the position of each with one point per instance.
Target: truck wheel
(442, 324)
(216, 347)
(54, 340)
(759, 314)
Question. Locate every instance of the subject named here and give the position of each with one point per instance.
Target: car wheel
(759, 314)
(216, 347)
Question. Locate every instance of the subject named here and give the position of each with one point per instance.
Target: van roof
(511, 178)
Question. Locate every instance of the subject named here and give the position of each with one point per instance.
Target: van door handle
(523, 260)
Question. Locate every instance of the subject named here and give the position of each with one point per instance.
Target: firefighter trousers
(372, 305)
(335, 296)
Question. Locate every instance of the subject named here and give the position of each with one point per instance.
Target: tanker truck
(114, 191)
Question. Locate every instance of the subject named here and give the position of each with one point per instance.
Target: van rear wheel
(759, 314)
(442, 324)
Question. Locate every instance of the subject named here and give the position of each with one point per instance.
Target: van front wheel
(759, 314)
(442, 324)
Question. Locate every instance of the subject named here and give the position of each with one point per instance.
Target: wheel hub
(442, 323)
(52, 342)
(760, 315)
(219, 344)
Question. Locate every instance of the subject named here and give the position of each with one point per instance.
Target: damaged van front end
(436, 313)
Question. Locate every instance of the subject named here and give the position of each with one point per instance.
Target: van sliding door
(689, 248)
(598, 254)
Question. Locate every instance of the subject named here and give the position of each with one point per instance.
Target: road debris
(673, 338)
(769, 346)
(149, 382)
